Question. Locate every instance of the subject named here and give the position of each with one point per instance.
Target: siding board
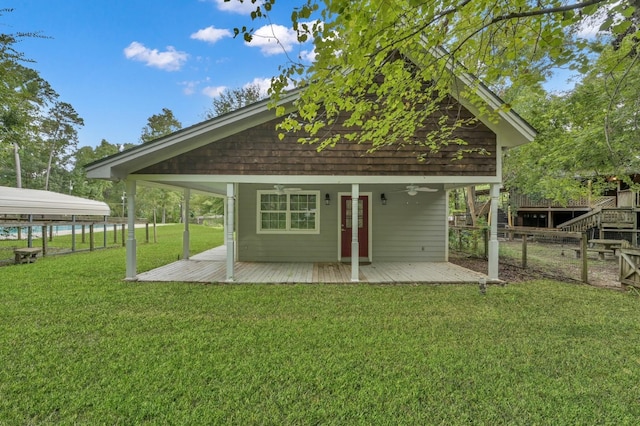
(410, 229)
(258, 151)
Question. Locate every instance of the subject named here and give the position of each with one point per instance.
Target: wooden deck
(210, 267)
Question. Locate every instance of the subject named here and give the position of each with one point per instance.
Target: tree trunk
(48, 173)
(18, 166)
(471, 203)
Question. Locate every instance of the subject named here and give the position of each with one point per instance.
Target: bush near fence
(555, 254)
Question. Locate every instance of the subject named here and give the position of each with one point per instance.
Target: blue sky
(120, 61)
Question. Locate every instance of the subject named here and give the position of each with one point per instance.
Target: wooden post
(92, 244)
(30, 233)
(115, 233)
(50, 233)
(585, 264)
(123, 236)
(155, 233)
(73, 233)
(146, 226)
(84, 238)
(44, 240)
(486, 235)
(524, 251)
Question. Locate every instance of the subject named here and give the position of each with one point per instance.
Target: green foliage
(159, 125)
(233, 99)
(80, 346)
(42, 129)
(589, 134)
(360, 73)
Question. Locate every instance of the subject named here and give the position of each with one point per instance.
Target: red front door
(346, 212)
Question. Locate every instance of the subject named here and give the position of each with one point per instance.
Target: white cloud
(234, 6)
(211, 34)
(213, 91)
(308, 55)
(189, 87)
(274, 39)
(169, 60)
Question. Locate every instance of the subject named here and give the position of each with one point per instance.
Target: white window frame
(288, 212)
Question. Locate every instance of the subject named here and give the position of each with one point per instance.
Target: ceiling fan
(414, 189)
(281, 189)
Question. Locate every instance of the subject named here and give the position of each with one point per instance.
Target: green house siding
(405, 229)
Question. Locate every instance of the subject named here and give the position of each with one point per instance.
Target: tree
(23, 97)
(97, 189)
(589, 134)
(360, 71)
(159, 125)
(60, 132)
(231, 100)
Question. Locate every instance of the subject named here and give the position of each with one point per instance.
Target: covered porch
(210, 267)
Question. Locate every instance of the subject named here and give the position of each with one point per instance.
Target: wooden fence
(630, 267)
(557, 254)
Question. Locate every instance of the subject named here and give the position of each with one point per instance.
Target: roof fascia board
(315, 179)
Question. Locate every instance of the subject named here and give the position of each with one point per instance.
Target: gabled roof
(510, 128)
(33, 201)
(119, 165)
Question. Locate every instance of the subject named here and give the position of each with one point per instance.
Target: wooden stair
(601, 218)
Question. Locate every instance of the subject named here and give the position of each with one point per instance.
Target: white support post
(230, 226)
(493, 238)
(224, 222)
(355, 245)
(131, 227)
(185, 219)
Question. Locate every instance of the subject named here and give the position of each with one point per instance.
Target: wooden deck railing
(582, 223)
(593, 202)
(600, 218)
(628, 198)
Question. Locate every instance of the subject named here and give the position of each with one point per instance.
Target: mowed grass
(80, 345)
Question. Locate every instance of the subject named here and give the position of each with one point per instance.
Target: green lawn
(79, 345)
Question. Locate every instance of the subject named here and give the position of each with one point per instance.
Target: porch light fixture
(327, 199)
(383, 199)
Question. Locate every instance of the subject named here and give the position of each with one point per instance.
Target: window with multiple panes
(289, 212)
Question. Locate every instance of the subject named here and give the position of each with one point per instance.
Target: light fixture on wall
(383, 199)
(327, 199)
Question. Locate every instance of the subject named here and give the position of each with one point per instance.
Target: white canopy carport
(33, 201)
